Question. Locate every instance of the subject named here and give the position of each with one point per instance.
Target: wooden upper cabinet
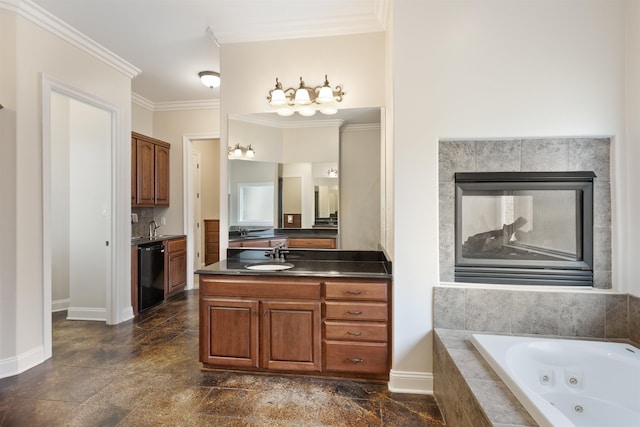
(162, 175)
(134, 175)
(151, 163)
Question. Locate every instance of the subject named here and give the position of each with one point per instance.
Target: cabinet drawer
(356, 331)
(319, 243)
(356, 310)
(176, 245)
(356, 357)
(259, 287)
(356, 290)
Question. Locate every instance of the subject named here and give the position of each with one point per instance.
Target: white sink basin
(269, 266)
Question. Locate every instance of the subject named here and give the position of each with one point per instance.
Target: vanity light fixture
(302, 99)
(210, 79)
(239, 151)
(333, 173)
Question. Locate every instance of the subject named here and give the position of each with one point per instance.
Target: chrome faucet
(277, 253)
(153, 228)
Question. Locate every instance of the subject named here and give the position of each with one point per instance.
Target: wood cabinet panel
(211, 241)
(161, 175)
(145, 161)
(291, 338)
(356, 290)
(356, 331)
(229, 332)
(356, 357)
(175, 266)
(260, 287)
(312, 243)
(356, 310)
(134, 175)
(150, 175)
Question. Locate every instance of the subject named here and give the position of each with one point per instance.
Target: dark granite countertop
(146, 240)
(307, 263)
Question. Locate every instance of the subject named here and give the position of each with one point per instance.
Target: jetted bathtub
(568, 382)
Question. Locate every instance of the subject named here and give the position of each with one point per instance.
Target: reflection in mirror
(326, 174)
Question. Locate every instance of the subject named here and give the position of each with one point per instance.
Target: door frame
(113, 293)
(188, 196)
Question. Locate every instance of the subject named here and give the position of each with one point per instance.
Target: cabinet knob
(354, 292)
(355, 360)
(354, 334)
(355, 313)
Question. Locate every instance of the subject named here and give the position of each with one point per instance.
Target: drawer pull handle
(354, 292)
(355, 360)
(355, 313)
(354, 334)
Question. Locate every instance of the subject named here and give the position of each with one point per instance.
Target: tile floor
(146, 372)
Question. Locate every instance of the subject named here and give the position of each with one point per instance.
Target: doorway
(79, 134)
(208, 145)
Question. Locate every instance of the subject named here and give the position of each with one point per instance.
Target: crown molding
(174, 106)
(361, 127)
(141, 101)
(290, 29)
(39, 16)
(286, 124)
(381, 10)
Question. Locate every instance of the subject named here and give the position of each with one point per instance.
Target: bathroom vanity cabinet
(322, 326)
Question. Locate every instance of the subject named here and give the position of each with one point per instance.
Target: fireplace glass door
(527, 227)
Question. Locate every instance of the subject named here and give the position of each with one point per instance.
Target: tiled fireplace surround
(467, 390)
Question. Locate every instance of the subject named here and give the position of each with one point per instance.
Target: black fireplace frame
(529, 272)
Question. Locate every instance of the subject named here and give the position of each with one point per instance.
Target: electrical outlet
(163, 221)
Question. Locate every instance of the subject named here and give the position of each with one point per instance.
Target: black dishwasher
(150, 275)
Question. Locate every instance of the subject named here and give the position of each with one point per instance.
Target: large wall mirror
(308, 172)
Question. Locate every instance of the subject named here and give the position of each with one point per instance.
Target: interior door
(198, 253)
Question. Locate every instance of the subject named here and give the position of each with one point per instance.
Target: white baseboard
(127, 314)
(410, 382)
(22, 362)
(59, 305)
(87, 313)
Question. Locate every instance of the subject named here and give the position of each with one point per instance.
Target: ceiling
(172, 40)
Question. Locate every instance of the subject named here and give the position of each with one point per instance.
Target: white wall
(28, 51)
(141, 119)
(629, 198)
(490, 69)
(60, 203)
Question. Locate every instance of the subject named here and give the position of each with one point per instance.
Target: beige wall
(172, 126)
(25, 298)
(360, 189)
(209, 176)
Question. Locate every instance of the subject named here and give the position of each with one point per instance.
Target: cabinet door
(145, 160)
(291, 337)
(177, 273)
(161, 175)
(229, 332)
(176, 266)
(134, 179)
